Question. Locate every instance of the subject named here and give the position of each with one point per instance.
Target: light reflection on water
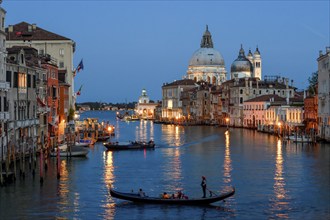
(109, 205)
(272, 180)
(63, 188)
(173, 135)
(227, 161)
(280, 204)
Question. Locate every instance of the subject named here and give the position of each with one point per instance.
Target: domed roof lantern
(250, 53)
(241, 52)
(257, 51)
(207, 39)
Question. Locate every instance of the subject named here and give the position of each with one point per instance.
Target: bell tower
(257, 67)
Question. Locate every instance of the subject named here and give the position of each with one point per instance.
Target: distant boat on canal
(132, 145)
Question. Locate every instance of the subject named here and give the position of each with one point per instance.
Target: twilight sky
(130, 45)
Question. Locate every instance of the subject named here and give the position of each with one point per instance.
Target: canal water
(272, 179)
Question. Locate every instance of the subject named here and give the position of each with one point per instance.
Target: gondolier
(203, 185)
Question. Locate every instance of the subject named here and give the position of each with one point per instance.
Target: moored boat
(300, 139)
(81, 144)
(135, 197)
(65, 152)
(132, 145)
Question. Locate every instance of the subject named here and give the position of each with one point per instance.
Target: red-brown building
(52, 98)
(310, 113)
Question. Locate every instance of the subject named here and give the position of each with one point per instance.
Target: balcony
(4, 115)
(4, 86)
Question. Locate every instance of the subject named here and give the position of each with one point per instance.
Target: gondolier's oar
(211, 192)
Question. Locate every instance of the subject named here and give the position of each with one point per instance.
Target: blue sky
(131, 45)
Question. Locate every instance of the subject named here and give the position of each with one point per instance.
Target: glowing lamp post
(227, 122)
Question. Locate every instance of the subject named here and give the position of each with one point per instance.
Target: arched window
(214, 80)
(241, 100)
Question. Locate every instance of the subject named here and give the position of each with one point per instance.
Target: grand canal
(272, 179)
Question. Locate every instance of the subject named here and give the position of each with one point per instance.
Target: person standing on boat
(141, 193)
(203, 184)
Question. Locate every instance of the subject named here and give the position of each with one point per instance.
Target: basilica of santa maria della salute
(207, 63)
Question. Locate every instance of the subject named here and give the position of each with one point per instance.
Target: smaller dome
(241, 64)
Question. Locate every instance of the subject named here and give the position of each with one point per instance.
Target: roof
(265, 98)
(180, 82)
(26, 31)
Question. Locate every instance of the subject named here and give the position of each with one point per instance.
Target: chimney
(34, 26)
(320, 53)
(10, 28)
(327, 49)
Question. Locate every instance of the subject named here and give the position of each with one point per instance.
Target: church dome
(206, 56)
(241, 64)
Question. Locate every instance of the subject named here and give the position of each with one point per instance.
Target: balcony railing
(4, 86)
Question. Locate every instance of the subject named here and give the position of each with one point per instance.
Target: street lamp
(227, 121)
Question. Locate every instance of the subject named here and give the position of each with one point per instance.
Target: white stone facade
(324, 94)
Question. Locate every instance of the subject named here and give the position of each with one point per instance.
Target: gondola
(134, 197)
(132, 145)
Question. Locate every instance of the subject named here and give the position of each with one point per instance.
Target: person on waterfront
(203, 185)
(141, 193)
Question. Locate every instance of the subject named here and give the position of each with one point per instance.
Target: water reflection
(173, 169)
(173, 135)
(63, 188)
(109, 206)
(227, 161)
(280, 202)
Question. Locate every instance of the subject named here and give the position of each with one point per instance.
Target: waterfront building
(324, 94)
(285, 116)
(310, 113)
(50, 65)
(171, 98)
(64, 117)
(238, 90)
(23, 68)
(207, 64)
(203, 103)
(216, 106)
(58, 47)
(144, 108)
(249, 66)
(255, 111)
(4, 87)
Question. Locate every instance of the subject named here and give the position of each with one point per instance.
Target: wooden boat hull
(128, 146)
(67, 154)
(134, 197)
(75, 152)
(300, 139)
